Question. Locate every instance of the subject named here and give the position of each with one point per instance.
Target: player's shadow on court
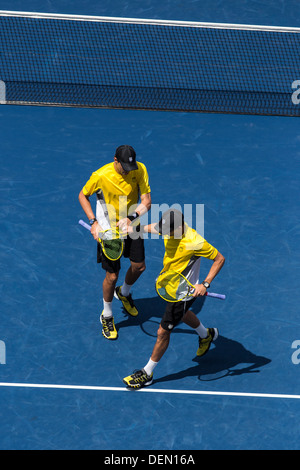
(226, 357)
(150, 314)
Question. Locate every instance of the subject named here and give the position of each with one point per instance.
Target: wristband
(140, 228)
(133, 216)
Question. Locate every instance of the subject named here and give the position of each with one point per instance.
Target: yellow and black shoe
(204, 343)
(108, 327)
(138, 379)
(127, 302)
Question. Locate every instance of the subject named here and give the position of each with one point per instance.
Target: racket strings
(112, 244)
(113, 248)
(172, 287)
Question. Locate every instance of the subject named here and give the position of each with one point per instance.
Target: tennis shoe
(127, 302)
(138, 379)
(108, 327)
(204, 343)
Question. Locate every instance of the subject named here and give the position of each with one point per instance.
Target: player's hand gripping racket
(173, 287)
(111, 242)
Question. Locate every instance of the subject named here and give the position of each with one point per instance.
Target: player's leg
(112, 269)
(134, 272)
(206, 335)
(161, 345)
(134, 250)
(144, 377)
(172, 316)
(107, 319)
(108, 286)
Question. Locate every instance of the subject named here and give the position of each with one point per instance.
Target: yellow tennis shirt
(117, 195)
(183, 255)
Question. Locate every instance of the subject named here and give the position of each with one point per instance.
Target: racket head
(112, 244)
(173, 286)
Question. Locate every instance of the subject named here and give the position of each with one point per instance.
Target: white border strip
(183, 24)
(152, 390)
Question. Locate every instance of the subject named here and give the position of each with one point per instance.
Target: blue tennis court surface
(61, 381)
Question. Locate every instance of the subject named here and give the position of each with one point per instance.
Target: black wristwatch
(92, 221)
(133, 216)
(206, 284)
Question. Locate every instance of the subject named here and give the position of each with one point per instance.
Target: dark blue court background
(245, 170)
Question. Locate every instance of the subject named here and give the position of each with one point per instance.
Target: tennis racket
(173, 287)
(111, 242)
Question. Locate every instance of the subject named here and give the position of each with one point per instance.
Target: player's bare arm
(141, 209)
(87, 208)
(216, 267)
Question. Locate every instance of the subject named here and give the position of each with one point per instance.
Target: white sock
(149, 368)
(125, 289)
(202, 331)
(107, 310)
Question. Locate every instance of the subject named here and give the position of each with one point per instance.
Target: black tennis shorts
(133, 249)
(174, 313)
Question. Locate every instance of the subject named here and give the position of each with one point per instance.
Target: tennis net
(70, 60)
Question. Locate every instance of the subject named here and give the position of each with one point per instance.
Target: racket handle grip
(84, 224)
(216, 296)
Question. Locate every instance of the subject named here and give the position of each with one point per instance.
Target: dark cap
(170, 221)
(125, 154)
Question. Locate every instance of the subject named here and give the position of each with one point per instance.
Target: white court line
(152, 390)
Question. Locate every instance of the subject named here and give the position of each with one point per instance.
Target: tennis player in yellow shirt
(184, 248)
(123, 195)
